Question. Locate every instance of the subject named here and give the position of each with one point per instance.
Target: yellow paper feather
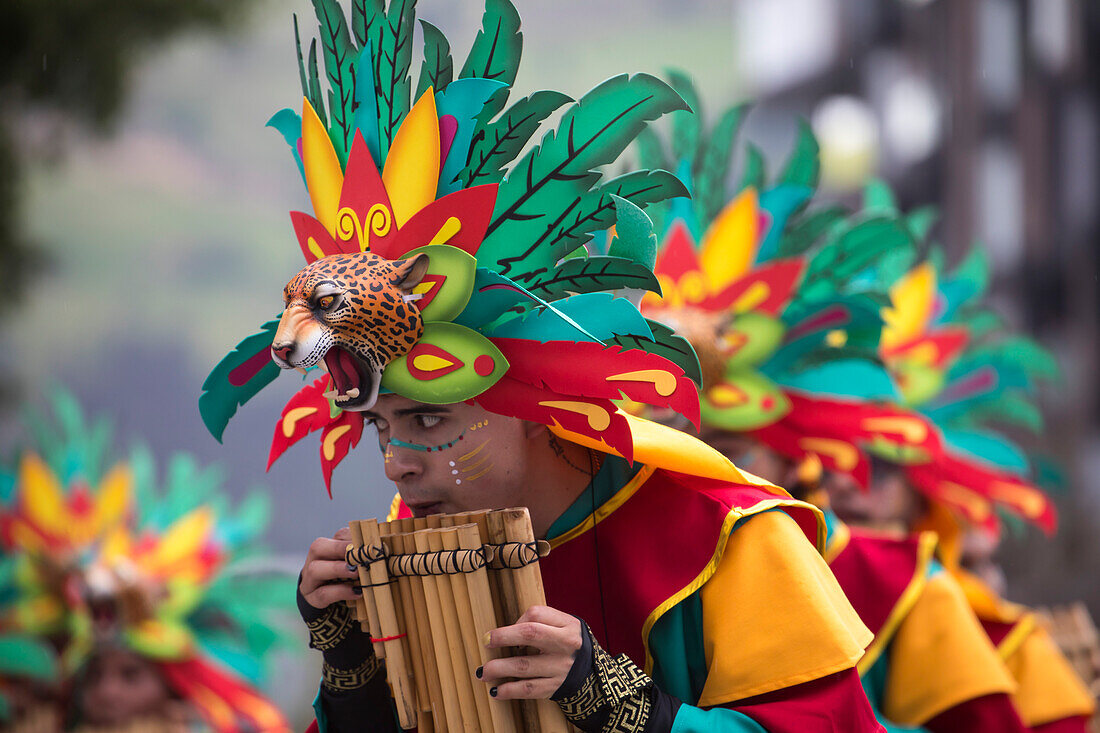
(913, 297)
(411, 172)
(729, 246)
(324, 176)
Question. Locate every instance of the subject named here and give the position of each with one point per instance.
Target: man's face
(749, 455)
(890, 503)
(453, 458)
(120, 687)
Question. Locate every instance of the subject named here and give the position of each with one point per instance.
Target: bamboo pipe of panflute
(509, 603)
(367, 599)
(467, 629)
(481, 605)
(447, 678)
(381, 591)
(529, 592)
(404, 544)
(463, 672)
(413, 631)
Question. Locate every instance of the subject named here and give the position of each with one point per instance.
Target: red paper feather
(592, 417)
(643, 376)
(472, 208)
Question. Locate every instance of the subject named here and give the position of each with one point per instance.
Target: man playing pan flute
(450, 299)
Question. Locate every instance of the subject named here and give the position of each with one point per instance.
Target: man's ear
(410, 272)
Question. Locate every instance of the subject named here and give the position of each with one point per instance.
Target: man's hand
(553, 636)
(325, 576)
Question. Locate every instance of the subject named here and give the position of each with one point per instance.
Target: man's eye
(378, 423)
(428, 421)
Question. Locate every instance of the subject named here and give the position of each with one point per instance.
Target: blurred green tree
(73, 60)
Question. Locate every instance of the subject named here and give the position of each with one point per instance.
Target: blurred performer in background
(774, 296)
(454, 307)
(953, 360)
(145, 594)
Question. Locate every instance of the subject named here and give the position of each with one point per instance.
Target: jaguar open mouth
(355, 387)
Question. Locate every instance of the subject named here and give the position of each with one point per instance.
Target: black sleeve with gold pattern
(605, 694)
(354, 692)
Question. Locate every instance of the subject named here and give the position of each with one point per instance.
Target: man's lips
(424, 508)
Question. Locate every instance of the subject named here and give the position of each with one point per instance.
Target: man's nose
(401, 464)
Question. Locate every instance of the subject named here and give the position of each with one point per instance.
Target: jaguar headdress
(442, 264)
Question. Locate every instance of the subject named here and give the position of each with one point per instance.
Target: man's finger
(549, 616)
(320, 572)
(553, 666)
(530, 689)
(326, 595)
(547, 639)
(326, 548)
(343, 534)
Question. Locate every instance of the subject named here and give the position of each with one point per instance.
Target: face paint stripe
(425, 448)
(472, 453)
(479, 474)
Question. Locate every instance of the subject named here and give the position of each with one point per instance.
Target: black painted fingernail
(479, 671)
(492, 692)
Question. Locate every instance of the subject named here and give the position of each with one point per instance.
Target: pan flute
(433, 587)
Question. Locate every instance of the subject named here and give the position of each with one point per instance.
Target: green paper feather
(600, 315)
(651, 152)
(438, 68)
(634, 238)
(339, 56)
(687, 124)
(596, 210)
(920, 222)
(878, 198)
(301, 60)
(24, 656)
(498, 143)
(392, 62)
(709, 186)
(542, 189)
(664, 343)
(753, 173)
(803, 166)
(594, 274)
(366, 20)
(802, 235)
(315, 96)
(853, 252)
(220, 399)
(496, 52)
(1008, 408)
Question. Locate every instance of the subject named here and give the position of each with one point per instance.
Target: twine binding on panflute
(443, 562)
(515, 555)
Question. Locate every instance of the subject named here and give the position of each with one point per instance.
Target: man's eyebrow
(423, 410)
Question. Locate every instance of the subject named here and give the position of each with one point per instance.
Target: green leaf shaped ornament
(450, 363)
(747, 401)
(447, 284)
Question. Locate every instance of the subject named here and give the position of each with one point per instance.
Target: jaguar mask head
(353, 314)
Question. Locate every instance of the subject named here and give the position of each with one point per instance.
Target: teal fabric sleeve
(319, 711)
(690, 719)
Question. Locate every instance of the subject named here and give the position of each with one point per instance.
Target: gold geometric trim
(331, 628)
(350, 679)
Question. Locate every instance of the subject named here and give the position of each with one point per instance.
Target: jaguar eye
(326, 302)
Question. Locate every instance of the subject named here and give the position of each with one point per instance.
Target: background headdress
(96, 554)
(955, 362)
(515, 311)
(769, 292)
